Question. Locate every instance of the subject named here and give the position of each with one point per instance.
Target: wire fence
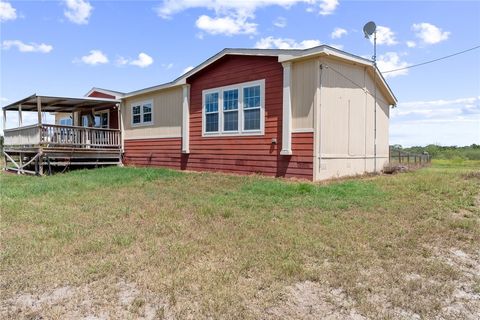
(409, 159)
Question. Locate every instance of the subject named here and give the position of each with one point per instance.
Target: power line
(364, 89)
(431, 61)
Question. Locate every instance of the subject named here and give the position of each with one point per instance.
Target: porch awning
(60, 104)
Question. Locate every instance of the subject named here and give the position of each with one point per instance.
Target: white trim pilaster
(287, 110)
(186, 119)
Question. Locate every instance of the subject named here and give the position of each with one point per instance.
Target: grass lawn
(155, 243)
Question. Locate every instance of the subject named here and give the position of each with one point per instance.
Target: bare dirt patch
(464, 303)
(123, 300)
(310, 300)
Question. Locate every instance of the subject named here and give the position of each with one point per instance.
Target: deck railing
(52, 135)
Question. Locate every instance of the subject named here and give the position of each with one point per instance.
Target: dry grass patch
(153, 243)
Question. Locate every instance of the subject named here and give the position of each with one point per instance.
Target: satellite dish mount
(368, 29)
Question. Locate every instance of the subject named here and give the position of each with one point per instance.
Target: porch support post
(287, 110)
(186, 119)
(39, 109)
(121, 110)
(20, 119)
(4, 124)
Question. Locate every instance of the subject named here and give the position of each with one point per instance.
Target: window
(101, 120)
(142, 113)
(66, 121)
(251, 108)
(211, 112)
(230, 110)
(241, 111)
(85, 120)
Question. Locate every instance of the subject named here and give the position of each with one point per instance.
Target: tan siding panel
(304, 86)
(347, 121)
(167, 115)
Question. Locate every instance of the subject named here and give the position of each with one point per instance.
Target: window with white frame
(101, 119)
(142, 113)
(236, 109)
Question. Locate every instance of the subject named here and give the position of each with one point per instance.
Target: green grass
(220, 240)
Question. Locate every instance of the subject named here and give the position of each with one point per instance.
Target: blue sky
(67, 47)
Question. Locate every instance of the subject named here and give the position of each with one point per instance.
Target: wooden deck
(32, 149)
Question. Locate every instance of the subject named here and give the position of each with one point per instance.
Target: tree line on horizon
(471, 152)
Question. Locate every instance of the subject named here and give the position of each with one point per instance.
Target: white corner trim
(186, 119)
(287, 110)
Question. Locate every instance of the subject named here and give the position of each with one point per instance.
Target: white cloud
(385, 36)
(429, 33)
(280, 22)
(338, 33)
(391, 61)
(3, 99)
(187, 69)
(7, 12)
(78, 11)
(285, 43)
(328, 7)
(143, 60)
(234, 16)
(167, 66)
(411, 44)
(94, 58)
(443, 121)
(226, 25)
(24, 47)
(121, 61)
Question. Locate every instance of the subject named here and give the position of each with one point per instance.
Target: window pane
(211, 102)
(85, 121)
(104, 120)
(211, 122)
(230, 121)
(66, 122)
(136, 110)
(147, 117)
(251, 97)
(136, 118)
(97, 122)
(252, 119)
(147, 108)
(230, 99)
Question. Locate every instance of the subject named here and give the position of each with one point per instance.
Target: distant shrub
(471, 152)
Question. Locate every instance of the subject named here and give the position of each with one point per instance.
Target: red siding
(96, 94)
(242, 154)
(154, 152)
(246, 154)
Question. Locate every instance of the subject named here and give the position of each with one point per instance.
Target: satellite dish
(369, 28)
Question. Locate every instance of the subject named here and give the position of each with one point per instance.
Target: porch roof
(59, 104)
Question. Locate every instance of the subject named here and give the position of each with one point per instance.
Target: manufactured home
(313, 114)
